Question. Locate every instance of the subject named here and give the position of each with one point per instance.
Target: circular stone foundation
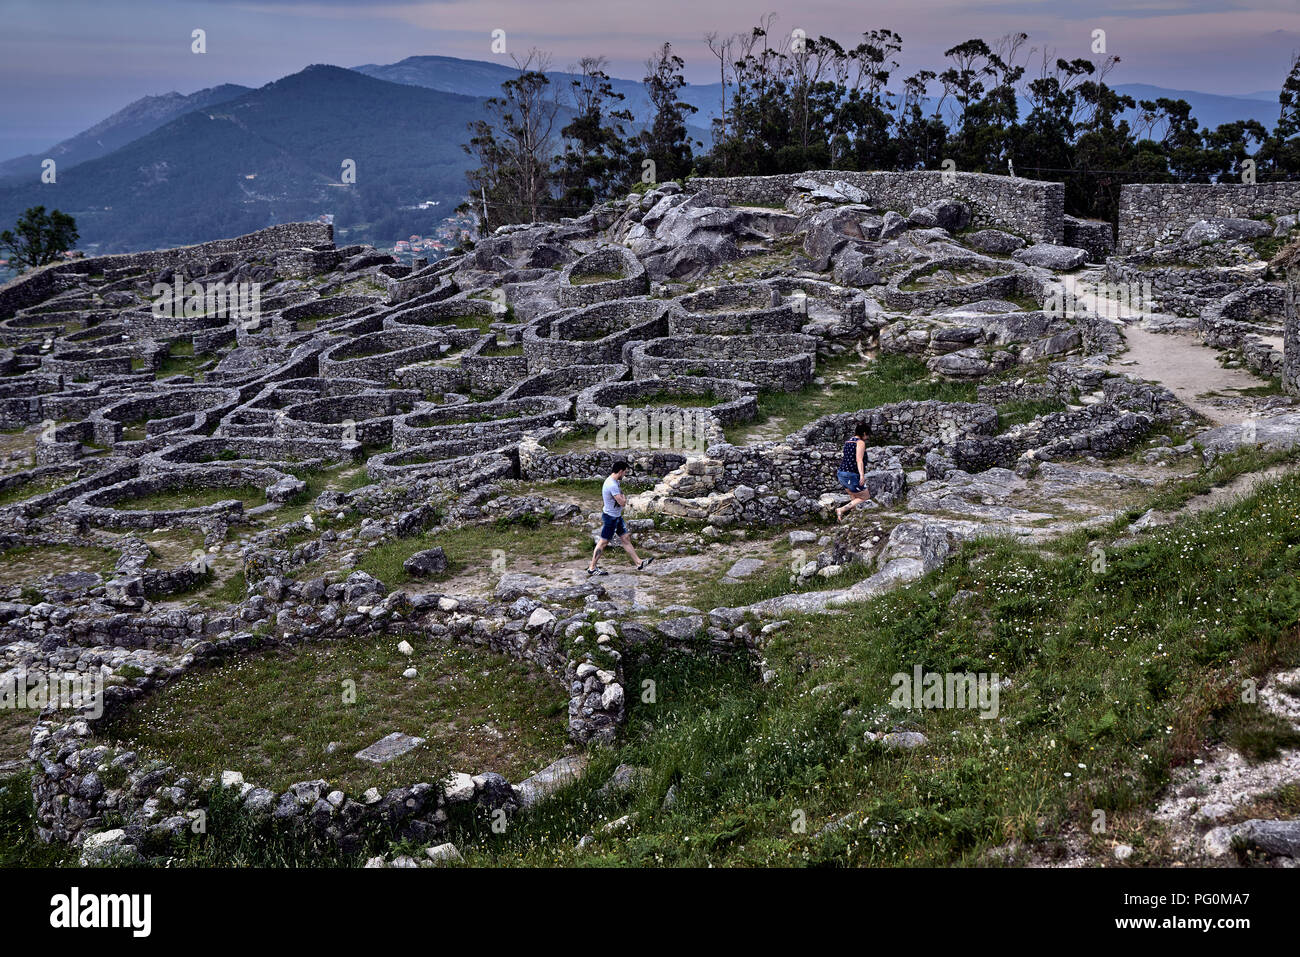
(479, 420)
(782, 363)
(726, 400)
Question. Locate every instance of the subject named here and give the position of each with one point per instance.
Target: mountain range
(269, 155)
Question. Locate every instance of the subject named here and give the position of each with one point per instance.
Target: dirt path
(1188, 369)
(1178, 361)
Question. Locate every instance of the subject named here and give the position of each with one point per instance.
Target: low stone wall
(80, 782)
(777, 362)
(537, 462)
(458, 321)
(365, 417)
(478, 420)
(99, 509)
(734, 310)
(463, 456)
(488, 373)
(1029, 207)
(161, 412)
(599, 404)
(1008, 285)
(1240, 320)
(1184, 290)
(380, 354)
(595, 335)
(567, 381)
(901, 423)
(615, 261)
(1094, 235)
(1097, 430)
(1291, 335)
(300, 317)
(282, 454)
(1156, 214)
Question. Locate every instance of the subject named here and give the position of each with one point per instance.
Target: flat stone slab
(550, 779)
(389, 747)
(743, 569)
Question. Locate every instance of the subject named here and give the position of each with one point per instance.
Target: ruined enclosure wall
(33, 287)
(1291, 335)
(1032, 208)
(1156, 214)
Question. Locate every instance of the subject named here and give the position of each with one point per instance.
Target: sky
(66, 64)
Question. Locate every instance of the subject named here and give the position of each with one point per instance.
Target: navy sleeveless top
(849, 460)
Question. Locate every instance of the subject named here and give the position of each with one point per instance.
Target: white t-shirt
(607, 492)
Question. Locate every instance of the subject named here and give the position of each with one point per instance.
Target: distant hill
(129, 123)
(271, 155)
(484, 78)
(1210, 109)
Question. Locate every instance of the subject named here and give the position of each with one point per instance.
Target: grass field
(272, 715)
(852, 384)
(1115, 678)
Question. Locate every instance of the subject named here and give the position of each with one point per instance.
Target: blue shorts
(612, 525)
(849, 480)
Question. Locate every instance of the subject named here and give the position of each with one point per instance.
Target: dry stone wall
(1030, 207)
(1157, 214)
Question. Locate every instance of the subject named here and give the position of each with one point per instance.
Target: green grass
(19, 846)
(1267, 247)
(271, 715)
(586, 279)
(891, 378)
(26, 490)
(1026, 410)
(580, 439)
(474, 546)
(498, 349)
(679, 400)
(215, 592)
(27, 563)
(1116, 677)
(181, 360)
(183, 498)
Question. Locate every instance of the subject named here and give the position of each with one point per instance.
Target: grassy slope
(1116, 676)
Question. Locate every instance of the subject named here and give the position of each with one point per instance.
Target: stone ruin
(443, 381)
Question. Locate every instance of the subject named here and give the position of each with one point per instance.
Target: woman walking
(852, 473)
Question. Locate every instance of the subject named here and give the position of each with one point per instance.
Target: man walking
(612, 520)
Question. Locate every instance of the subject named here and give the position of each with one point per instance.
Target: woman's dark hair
(861, 429)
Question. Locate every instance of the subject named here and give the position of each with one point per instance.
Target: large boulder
(951, 214)
(994, 241)
(1216, 230)
(829, 229)
(854, 265)
(1050, 256)
(893, 225)
(431, 561)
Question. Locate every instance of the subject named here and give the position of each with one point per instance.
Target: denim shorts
(849, 480)
(612, 525)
